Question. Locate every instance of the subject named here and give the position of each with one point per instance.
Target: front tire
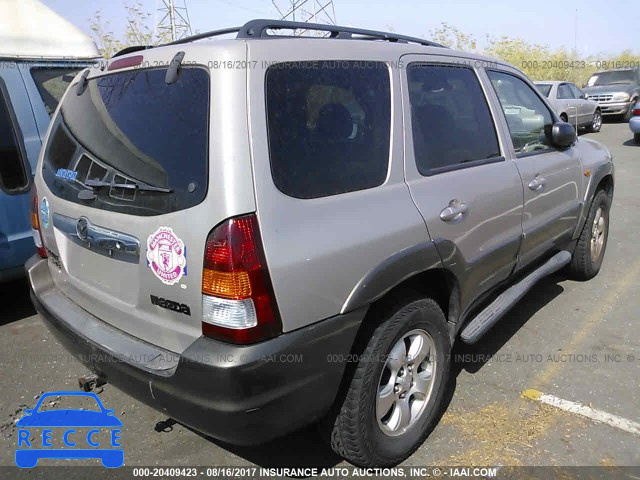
(397, 387)
(596, 122)
(589, 252)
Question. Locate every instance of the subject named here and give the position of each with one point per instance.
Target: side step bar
(488, 317)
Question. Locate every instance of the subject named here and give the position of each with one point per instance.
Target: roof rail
(201, 36)
(258, 29)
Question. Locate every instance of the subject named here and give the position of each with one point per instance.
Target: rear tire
(589, 252)
(636, 138)
(396, 387)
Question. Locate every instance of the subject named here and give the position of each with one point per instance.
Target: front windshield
(614, 76)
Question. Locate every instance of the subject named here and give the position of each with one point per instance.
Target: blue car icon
(68, 420)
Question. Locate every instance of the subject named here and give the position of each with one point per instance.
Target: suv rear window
(131, 128)
(329, 126)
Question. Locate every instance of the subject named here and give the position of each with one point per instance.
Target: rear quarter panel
(318, 250)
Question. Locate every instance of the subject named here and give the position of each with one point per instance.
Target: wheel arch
(417, 268)
(606, 184)
(601, 178)
(413, 270)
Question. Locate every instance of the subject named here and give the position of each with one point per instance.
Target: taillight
(238, 303)
(636, 112)
(35, 224)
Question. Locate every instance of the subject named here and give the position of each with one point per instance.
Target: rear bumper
(243, 395)
(634, 124)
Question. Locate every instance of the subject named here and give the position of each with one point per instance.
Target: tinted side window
(14, 177)
(52, 83)
(564, 92)
(329, 126)
(529, 119)
(451, 121)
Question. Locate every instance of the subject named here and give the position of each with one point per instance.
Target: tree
(540, 62)
(450, 36)
(137, 31)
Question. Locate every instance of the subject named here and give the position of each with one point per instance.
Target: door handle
(537, 183)
(454, 212)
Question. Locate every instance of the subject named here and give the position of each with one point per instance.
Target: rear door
(125, 175)
(568, 103)
(468, 193)
(585, 107)
(550, 176)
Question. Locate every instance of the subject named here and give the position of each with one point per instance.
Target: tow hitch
(91, 382)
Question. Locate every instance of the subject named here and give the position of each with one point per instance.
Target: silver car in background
(634, 123)
(571, 104)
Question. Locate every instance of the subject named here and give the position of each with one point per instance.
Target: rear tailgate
(131, 193)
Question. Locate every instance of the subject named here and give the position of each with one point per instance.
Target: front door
(552, 201)
(468, 193)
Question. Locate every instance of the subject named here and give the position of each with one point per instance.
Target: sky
(545, 22)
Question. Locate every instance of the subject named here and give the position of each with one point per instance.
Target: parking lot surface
(577, 341)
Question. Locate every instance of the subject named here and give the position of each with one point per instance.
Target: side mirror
(563, 135)
(28, 410)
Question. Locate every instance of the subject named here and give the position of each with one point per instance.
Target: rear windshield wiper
(129, 186)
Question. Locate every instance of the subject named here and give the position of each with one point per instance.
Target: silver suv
(258, 233)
